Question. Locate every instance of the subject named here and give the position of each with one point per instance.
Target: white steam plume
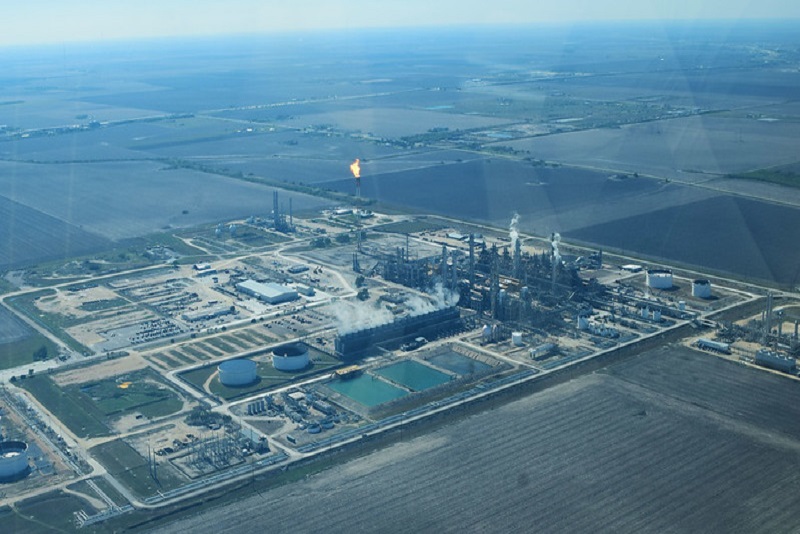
(513, 231)
(351, 317)
(554, 241)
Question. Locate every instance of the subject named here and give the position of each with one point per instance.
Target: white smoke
(554, 241)
(513, 231)
(351, 317)
(358, 316)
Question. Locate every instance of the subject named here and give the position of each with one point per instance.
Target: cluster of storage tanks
(242, 372)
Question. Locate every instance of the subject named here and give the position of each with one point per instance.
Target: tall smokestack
(443, 267)
(555, 239)
(355, 168)
(454, 271)
(471, 261)
(768, 318)
(291, 219)
(275, 211)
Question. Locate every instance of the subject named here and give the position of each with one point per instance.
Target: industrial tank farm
(13, 460)
(235, 373)
(290, 357)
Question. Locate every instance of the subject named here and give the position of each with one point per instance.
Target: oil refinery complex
(337, 327)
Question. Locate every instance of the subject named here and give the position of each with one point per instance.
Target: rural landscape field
(579, 142)
(462, 279)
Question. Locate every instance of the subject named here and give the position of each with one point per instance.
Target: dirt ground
(100, 371)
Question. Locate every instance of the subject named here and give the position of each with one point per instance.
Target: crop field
(28, 235)
(547, 199)
(727, 234)
(683, 149)
(643, 448)
(391, 123)
(98, 198)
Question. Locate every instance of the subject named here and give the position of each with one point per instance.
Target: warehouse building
(269, 292)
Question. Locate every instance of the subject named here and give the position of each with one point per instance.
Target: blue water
(413, 375)
(458, 363)
(367, 390)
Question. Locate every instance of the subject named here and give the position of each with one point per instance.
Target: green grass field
(77, 413)
(86, 408)
(21, 352)
(49, 512)
(131, 469)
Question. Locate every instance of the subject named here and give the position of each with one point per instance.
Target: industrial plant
(303, 336)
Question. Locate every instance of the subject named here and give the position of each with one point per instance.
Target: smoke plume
(513, 231)
(351, 317)
(554, 241)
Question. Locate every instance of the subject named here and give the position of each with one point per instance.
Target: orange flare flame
(355, 168)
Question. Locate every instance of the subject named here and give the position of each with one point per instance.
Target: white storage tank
(516, 339)
(237, 372)
(659, 279)
(290, 357)
(13, 459)
(701, 289)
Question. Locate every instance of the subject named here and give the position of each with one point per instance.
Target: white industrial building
(208, 313)
(269, 292)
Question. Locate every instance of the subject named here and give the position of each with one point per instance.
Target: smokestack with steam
(516, 246)
(555, 239)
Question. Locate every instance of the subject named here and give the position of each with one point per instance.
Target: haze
(47, 21)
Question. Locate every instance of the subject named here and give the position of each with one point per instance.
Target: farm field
(727, 234)
(28, 235)
(547, 199)
(687, 148)
(98, 198)
(582, 456)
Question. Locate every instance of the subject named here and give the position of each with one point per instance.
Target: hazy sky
(42, 21)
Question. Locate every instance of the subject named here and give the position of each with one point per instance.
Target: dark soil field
(11, 328)
(28, 235)
(547, 199)
(669, 441)
(727, 234)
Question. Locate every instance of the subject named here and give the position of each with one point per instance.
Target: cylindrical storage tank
(701, 289)
(657, 316)
(13, 459)
(583, 322)
(682, 305)
(516, 339)
(290, 357)
(237, 372)
(659, 279)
